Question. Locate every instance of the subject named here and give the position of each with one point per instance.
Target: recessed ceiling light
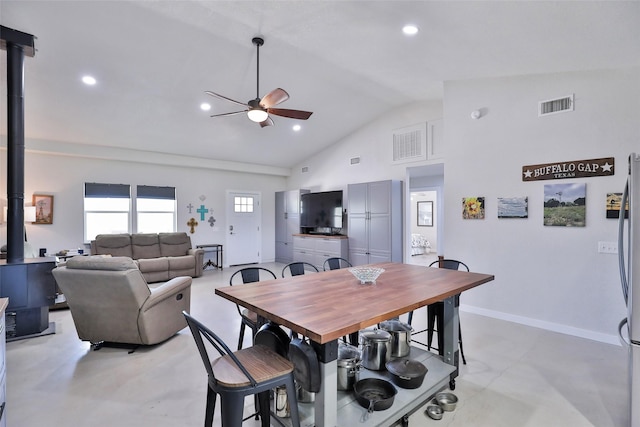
(297, 127)
(410, 30)
(88, 80)
(205, 107)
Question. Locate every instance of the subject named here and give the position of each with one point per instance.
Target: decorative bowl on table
(366, 274)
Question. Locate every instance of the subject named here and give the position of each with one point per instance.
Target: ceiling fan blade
(217, 95)
(229, 114)
(267, 122)
(292, 114)
(274, 97)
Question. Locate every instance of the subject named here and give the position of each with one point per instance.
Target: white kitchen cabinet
(375, 222)
(315, 249)
(287, 223)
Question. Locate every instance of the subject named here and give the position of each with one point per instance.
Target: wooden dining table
(329, 305)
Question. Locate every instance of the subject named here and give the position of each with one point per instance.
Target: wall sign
(573, 169)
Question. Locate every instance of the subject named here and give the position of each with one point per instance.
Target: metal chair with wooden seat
(249, 318)
(234, 375)
(298, 268)
(335, 263)
(435, 311)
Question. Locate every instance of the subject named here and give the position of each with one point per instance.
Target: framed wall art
(473, 208)
(513, 207)
(565, 205)
(425, 214)
(44, 208)
(614, 202)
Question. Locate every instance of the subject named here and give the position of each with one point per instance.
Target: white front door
(244, 236)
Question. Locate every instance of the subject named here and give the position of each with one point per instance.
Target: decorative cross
(212, 220)
(201, 210)
(193, 224)
(190, 206)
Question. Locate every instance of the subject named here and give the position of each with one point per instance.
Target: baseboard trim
(549, 326)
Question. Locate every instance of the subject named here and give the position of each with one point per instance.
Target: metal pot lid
(348, 352)
(406, 368)
(376, 335)
(395, 326)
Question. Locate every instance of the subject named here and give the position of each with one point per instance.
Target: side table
(214, 247)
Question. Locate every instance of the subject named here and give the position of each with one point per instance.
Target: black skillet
(374, 394)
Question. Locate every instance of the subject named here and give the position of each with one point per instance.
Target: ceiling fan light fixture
(259, 109)
(410, 30)
(257, 115)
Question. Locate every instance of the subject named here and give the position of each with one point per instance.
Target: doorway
(423, 227)
(244, 234)
(424, 191)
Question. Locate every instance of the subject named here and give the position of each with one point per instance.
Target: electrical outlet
(607, 247)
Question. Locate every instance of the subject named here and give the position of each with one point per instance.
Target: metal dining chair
(435, 311)
(298, 268)
(249, 318)
(335, 263)
(234, 375)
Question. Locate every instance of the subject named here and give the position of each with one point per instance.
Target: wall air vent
(305, 169)
(410, 143)
(354, 160)
(555, 106)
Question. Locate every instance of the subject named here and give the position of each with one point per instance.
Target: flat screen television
(321, 212)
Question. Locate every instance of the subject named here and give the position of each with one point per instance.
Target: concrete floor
(515, 376)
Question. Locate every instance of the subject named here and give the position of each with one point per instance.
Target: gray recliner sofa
(111, 302)
(160, 256)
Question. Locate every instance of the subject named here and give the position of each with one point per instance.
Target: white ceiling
(346, 61)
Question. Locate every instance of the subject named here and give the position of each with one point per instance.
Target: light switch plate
(607, 247)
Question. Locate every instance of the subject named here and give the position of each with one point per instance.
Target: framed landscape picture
(565, 205)
(513, 207)
(44, 208)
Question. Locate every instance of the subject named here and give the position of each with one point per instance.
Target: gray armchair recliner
(110, 301)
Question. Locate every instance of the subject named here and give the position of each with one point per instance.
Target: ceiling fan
(257, 109)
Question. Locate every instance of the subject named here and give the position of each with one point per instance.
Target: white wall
(330, 169)
(547, 276)
(64, 176)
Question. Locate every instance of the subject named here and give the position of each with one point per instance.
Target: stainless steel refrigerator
(629, 260)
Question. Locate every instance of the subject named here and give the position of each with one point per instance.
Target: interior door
(244, 235)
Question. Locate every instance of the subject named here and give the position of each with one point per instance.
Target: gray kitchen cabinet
(375, 222)
(287, 223)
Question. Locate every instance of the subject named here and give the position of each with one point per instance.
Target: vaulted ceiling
(346, 61)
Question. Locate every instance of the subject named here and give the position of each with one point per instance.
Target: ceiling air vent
(554, 106)
(410, 143)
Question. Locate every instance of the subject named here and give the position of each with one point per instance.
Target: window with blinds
(156, 210)
(107, 209)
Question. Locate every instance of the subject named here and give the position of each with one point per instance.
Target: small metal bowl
(447, 401)
(434, 412)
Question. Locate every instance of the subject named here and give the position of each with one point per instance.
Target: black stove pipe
(16, 43)
(15, 153)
